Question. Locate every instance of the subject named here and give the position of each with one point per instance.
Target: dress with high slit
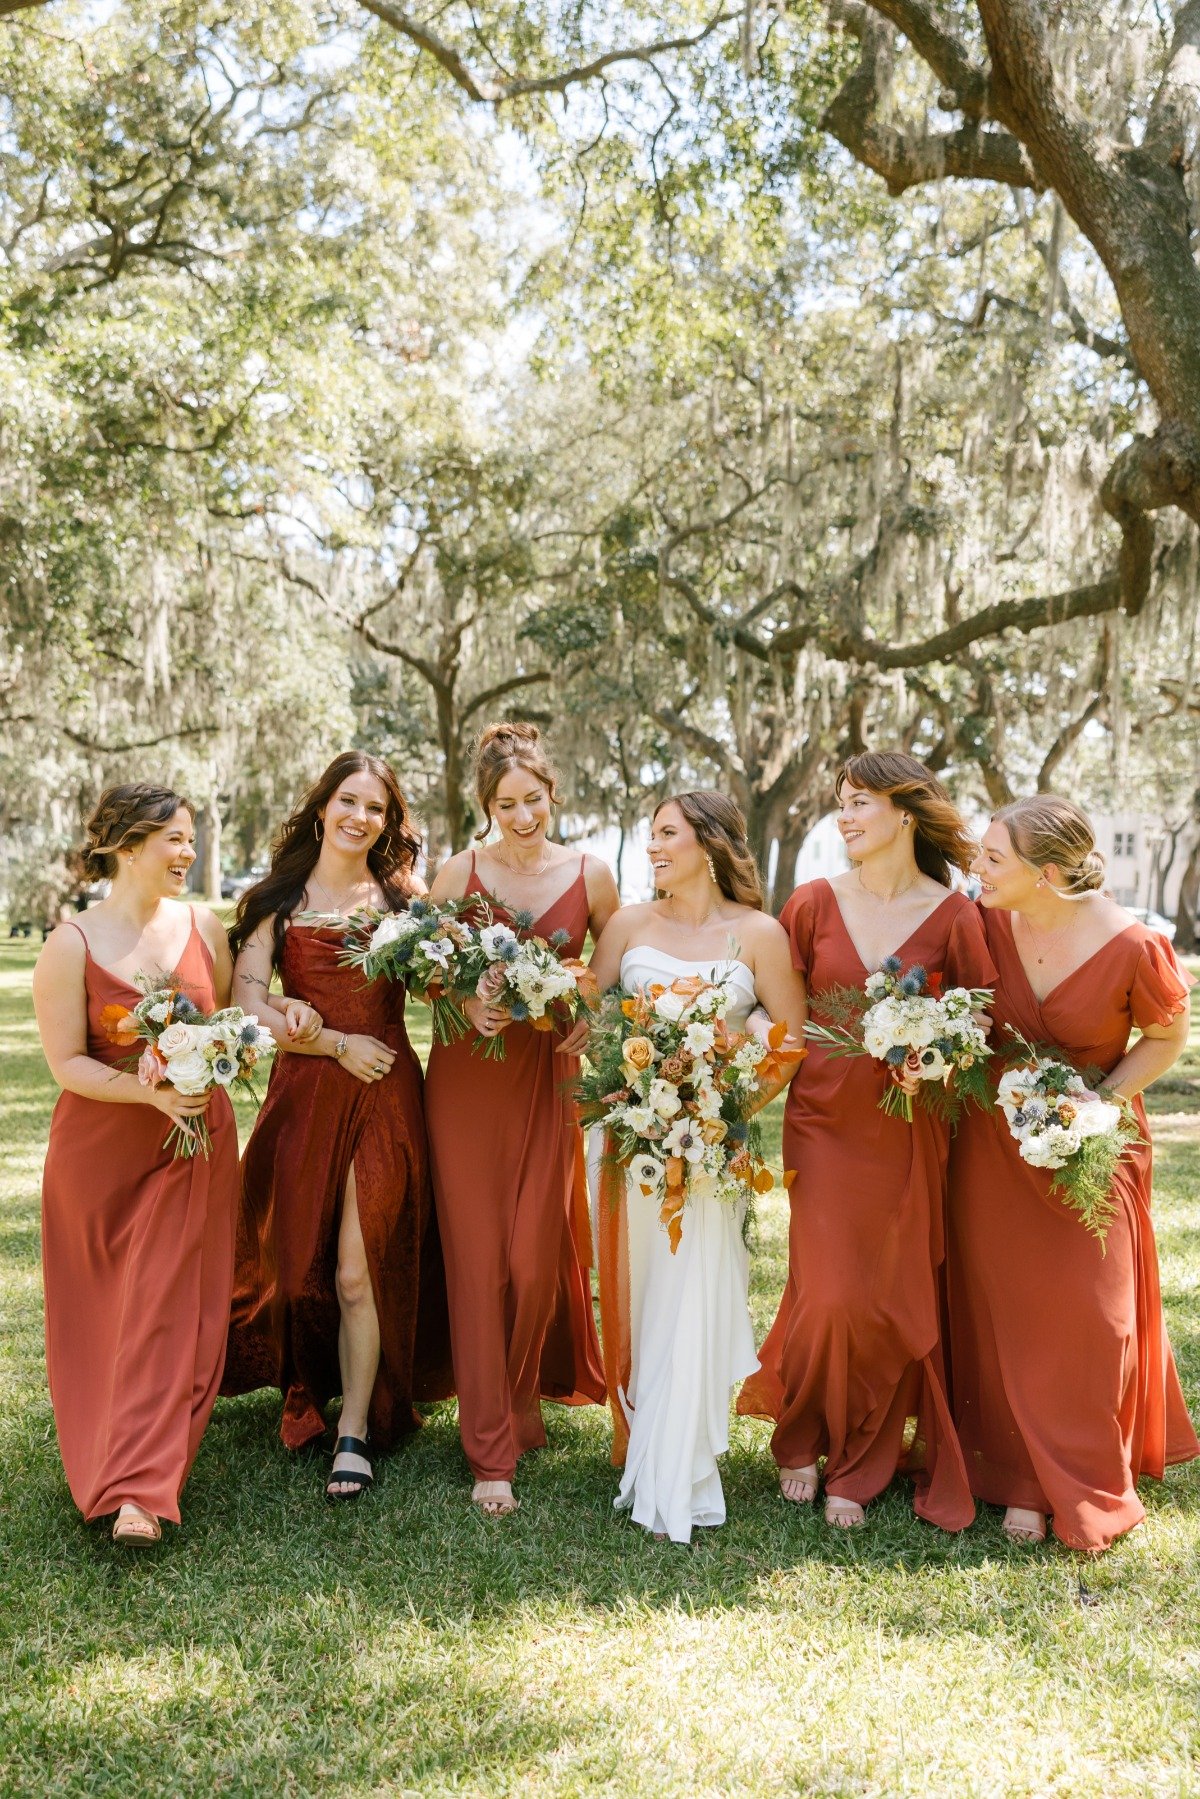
(508, 1176)
(1065, 1387)
(317, 1122)
(677, 1332)
(853, 1366)
(137, 1252)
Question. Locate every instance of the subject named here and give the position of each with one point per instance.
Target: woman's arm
(780, 988)
(603, 898)
(60, 1005)
(1156, 1050)
(213, 933)
(450, 881)
(294, 1025)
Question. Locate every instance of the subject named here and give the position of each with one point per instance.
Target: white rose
(663, 1099)
(177, 1038)
(1097, 1118)
(395, 925)
(671, 1006)
(190, 1072)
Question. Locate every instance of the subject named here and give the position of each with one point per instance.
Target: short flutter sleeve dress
(317, 1122)
(137, 1251)
(1065, 1387)
(853, 1367)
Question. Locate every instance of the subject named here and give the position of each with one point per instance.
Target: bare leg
(358, 1335)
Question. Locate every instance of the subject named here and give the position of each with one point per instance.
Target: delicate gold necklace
(1032, 934)
(885, 899)
(528, 874)
(339, 906)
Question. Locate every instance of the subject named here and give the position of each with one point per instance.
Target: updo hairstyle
(941, 841)
(721, 832)
(502, 748)
(125, 816)
(1047, 828)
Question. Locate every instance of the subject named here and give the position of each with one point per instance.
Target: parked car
(1154, 921)
(233, 886)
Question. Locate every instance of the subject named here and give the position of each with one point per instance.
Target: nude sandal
(136, 1527)
(495, 1498)
(799, 1477)
(840, 1513)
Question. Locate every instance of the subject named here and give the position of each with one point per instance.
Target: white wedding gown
(690, 1334)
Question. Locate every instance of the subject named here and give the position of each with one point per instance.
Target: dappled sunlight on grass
(275, 1645)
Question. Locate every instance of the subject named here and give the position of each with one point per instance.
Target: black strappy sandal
(346, 1476)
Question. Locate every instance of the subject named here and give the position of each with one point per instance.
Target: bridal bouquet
(446, 953)
(189, 1050)
(1060, 1123)
(901, 1018)
(676, 1089)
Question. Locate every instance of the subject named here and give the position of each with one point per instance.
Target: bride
(676, 1326)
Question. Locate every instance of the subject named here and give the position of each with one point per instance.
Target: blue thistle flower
(519, 1010)
(522, 920)
(559, 938)
(249, 1034)
(895, 1055)
(891, 965)
(184, 1010)
(509, 951)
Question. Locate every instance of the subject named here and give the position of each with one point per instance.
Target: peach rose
(152, 1069)
(714, 1130)
(492, 981)
(638, 1054)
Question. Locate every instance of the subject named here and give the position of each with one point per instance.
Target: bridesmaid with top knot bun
(339, 1281)
(852, 1368)
(507, 1152)
(1065, 1389)
(137, 1246)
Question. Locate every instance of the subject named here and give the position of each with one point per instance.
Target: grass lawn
(274, 1645)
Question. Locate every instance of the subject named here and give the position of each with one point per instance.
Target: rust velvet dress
(1065, 1389)
(855, 1351)
(137, 1250)
(512, 1205)
(316, 1122)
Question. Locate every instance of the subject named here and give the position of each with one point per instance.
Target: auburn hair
(720, 829)
(124, 816)
(1047, 828)
(941, 841)
(501, 748)
(297, 846)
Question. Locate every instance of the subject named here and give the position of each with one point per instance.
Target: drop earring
(316, 833)
(379, 845)
(712, 873)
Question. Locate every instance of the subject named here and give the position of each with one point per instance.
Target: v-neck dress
(508, 1179)
(137, 1253)
(855, 1354)
(1065, 1388)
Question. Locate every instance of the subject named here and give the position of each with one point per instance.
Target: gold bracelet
(341, 1046)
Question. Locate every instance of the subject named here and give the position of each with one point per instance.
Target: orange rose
(714, 1130)
(689, 986)
(638, 1054)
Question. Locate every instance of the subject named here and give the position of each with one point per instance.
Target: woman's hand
(575, 1041)
(304, 1023)
(366, 1058)
(908, 1078)
(180, 1108)
(488, 1018)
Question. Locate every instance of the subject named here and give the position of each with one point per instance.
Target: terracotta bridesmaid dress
(316, 1122)
(512, 1204)
(137, 1252)
(1065, 1389)
(855, 1352)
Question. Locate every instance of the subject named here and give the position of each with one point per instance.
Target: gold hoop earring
(317, 834)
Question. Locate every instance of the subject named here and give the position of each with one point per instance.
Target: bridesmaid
(339, 1284)
(1064, 1383)
(137, 1247)
(507, 1153)
(855, 1351)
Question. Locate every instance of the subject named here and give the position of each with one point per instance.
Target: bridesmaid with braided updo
(137, 1246)
(507, 1152)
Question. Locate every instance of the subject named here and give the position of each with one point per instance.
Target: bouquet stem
(192, 1139)
(897, 1103)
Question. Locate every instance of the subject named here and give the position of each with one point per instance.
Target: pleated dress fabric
(511, 1195)
(317, 1122)
(1065, 1387)
(853, 1368)
(137, 1255)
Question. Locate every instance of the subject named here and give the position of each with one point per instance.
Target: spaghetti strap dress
(1065, 1387)
(316, 1123)
(853, 1368)
(137, 1255)
(511, 1194)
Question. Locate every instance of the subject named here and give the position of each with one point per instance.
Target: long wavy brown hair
(721, 832)
(296, 848)
(941, 841)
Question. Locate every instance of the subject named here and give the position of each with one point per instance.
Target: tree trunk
(209, 860)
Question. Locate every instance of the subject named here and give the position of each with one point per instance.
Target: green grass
(276, 1646)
